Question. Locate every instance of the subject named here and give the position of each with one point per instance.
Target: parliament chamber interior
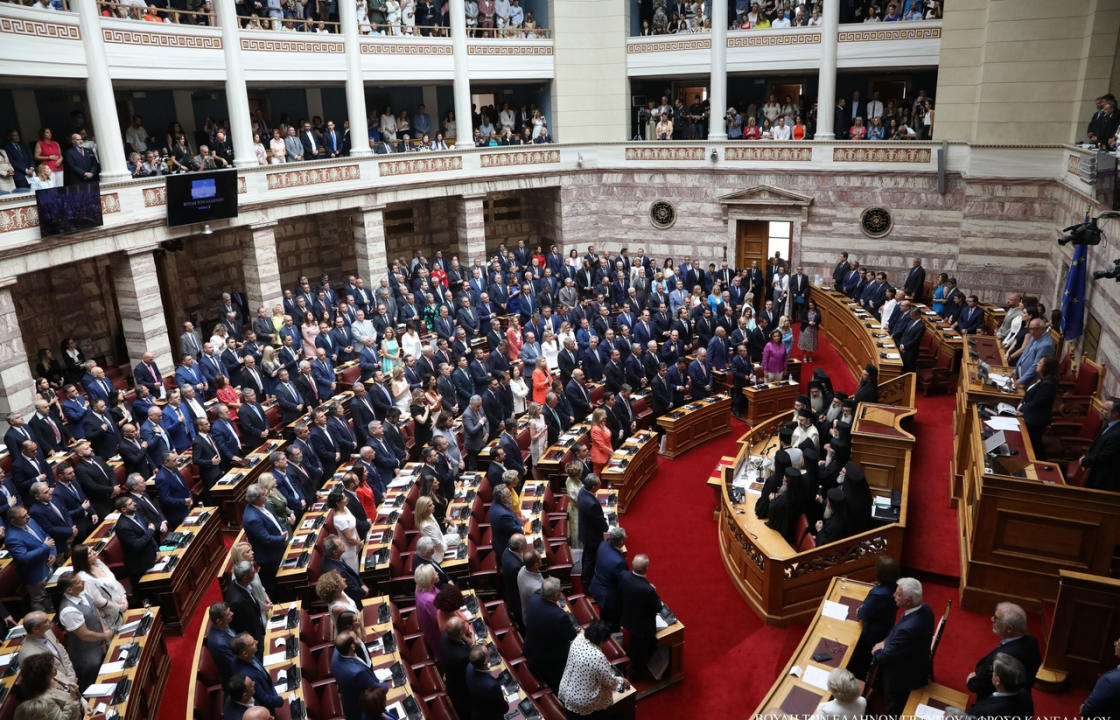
(741, 345)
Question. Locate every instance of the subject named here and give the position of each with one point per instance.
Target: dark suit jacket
(547, 637)
(503, 524)
(1024, 648)
(265, 692)
(904, 657)
(592, 521)
(77, 162)
(487, 699)
(453, 662)
(246, 611)
(138, 543)
(877, 614)
(268, 543)
(353, 582)
(99, 489)
(217, 644)
(1018, 705)
(639, 604)
(102, 436)
(135, 458)
(1101, 459)
(44, 435)
(353, 676)
(1038, 404)
(50, 521)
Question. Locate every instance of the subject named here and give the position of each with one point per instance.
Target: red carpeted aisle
(731, 658)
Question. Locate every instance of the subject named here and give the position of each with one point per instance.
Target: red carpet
(731, 658)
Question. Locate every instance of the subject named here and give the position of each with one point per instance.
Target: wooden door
(751, 243)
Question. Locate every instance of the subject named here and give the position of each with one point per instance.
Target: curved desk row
(631, 466)
(845, 324)
(695, 423)
(780, 583)
(834, 631)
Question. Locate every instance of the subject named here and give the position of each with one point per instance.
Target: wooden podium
(695, 423)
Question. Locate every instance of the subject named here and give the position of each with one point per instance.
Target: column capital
(143, 249)
(266, 225)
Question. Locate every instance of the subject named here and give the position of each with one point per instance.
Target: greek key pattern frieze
(38, 28)
(162, 40)
(416, 166)
(524, 157)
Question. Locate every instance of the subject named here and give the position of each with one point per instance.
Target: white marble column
(717, 96)
(368, 226)
(141, 307)
(355, 86)
(462, 87)
(237, 97)
(99, 89)
(261, 267)
(826, 78)
(470, 230)
(17, 387)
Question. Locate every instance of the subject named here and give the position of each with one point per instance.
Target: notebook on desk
(801, 702)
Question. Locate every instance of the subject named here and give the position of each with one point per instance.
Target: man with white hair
(1009, 622)
(903, 657)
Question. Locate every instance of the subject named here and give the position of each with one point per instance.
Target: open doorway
(778, 240)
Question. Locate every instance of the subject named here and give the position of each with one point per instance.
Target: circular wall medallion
(662, 214)
(876, 222)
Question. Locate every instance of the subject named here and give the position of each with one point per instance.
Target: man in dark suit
(361, 411)
(915, 280)
(45, 430)
(488, 701)
(305, 384)
(503, 523)
(218, 638)
(549, 632)
(425, 555)
(910, 340)
(18, 433)
(138, 540)
(454, 652)
(146, 509)
(252, 419)
(385, 461)
(592, 524)
(245, 648)
(842, 120)
(289, 399)
(639, 605)
(700, 374)
(351, 673)
(509, 443)
(1104, 453)
(1009, 622)
(134, 452)
(510, 564)
(205, 456)
(1012, 696)
(393, 437)
(265, 533)
(903, 657)
(174, 494)
(578, 396)
(68, 495)
(97, 479)
(332, 560)
(101, 431)
(246, 606)
(80, 164)
(52, 517)
(971, 317)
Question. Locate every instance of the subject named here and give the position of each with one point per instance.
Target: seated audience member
(903, 656)
(1012, 694)
(1009, 623)
(239, 698)
(589, 683)
(846, 702)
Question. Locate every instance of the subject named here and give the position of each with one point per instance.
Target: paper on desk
(927, 712)
(816, 677)
(100, 690)
(274, 658)
(401, 482)
(893, 356)
(112, 667)
(512, 698)
(128, 627)
(280, 687)
(660, 622)
(384, 674)
(5, 660)
(835, 610)
(1003, 423)
(277, 623)
(396, 710)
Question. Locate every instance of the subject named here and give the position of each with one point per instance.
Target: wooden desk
(557, 456)
(695, 423)
(1079, 645)
(1021, 525)
(672, 638)
(778, 582)
(146, 678)
(383, 660)
(229, 490)
(178, 590)
(277, 638)
(935, 696)
(844, 324)
(791, 692)
(770, 399)
(631, 466)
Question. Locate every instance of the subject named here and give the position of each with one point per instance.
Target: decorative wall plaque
(876, 222)
(662, 214)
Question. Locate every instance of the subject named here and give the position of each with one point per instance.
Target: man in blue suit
(351, 673)
(34, 553)
(384, 460)
(324, 444)
(700, 373)
(52, 517)
(96, 385)
(1105, 698)
(189, 373)
(503, 523)
(610, 563)
(971, 318)
(903, 657)
(322, 373)
(218, 639)
(245, 662)
(147, 374)
(332, 141)
(152, 432)
(174, 496)
(177, 422)
(74, 409)
(508, 442)
(291, 491)
(368, 359)
(488, 701)
(229, 444)
(265, 533)
(717, 349)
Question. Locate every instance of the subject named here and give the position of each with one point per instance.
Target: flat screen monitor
(68, 209)
(201, 197)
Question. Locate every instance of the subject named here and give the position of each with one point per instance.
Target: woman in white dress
(102, 588)
(393, 17)
(565, 335)
(425, 520)
(388, 120)
(538, 123)
(398, 386)
(258, 150)
(520, 391)
(346, 526)
(538, 434)
(363, 18)
(411, 344)
(550, 349)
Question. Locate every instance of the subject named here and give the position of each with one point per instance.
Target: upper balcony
(864, 46)
(45, 44)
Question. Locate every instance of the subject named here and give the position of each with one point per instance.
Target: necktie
(31, 529)
(275, 522)
(58, 512)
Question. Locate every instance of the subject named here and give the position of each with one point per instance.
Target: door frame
(766, 203)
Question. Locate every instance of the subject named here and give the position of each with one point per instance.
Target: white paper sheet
(838, 611)
(128, 627)
(112, 667)
(816, 677)
(1004, 423)
(383, 674)
(274, 658)
(100, 690)
(925, 712)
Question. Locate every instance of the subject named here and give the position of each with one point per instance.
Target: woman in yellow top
(512, 481)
